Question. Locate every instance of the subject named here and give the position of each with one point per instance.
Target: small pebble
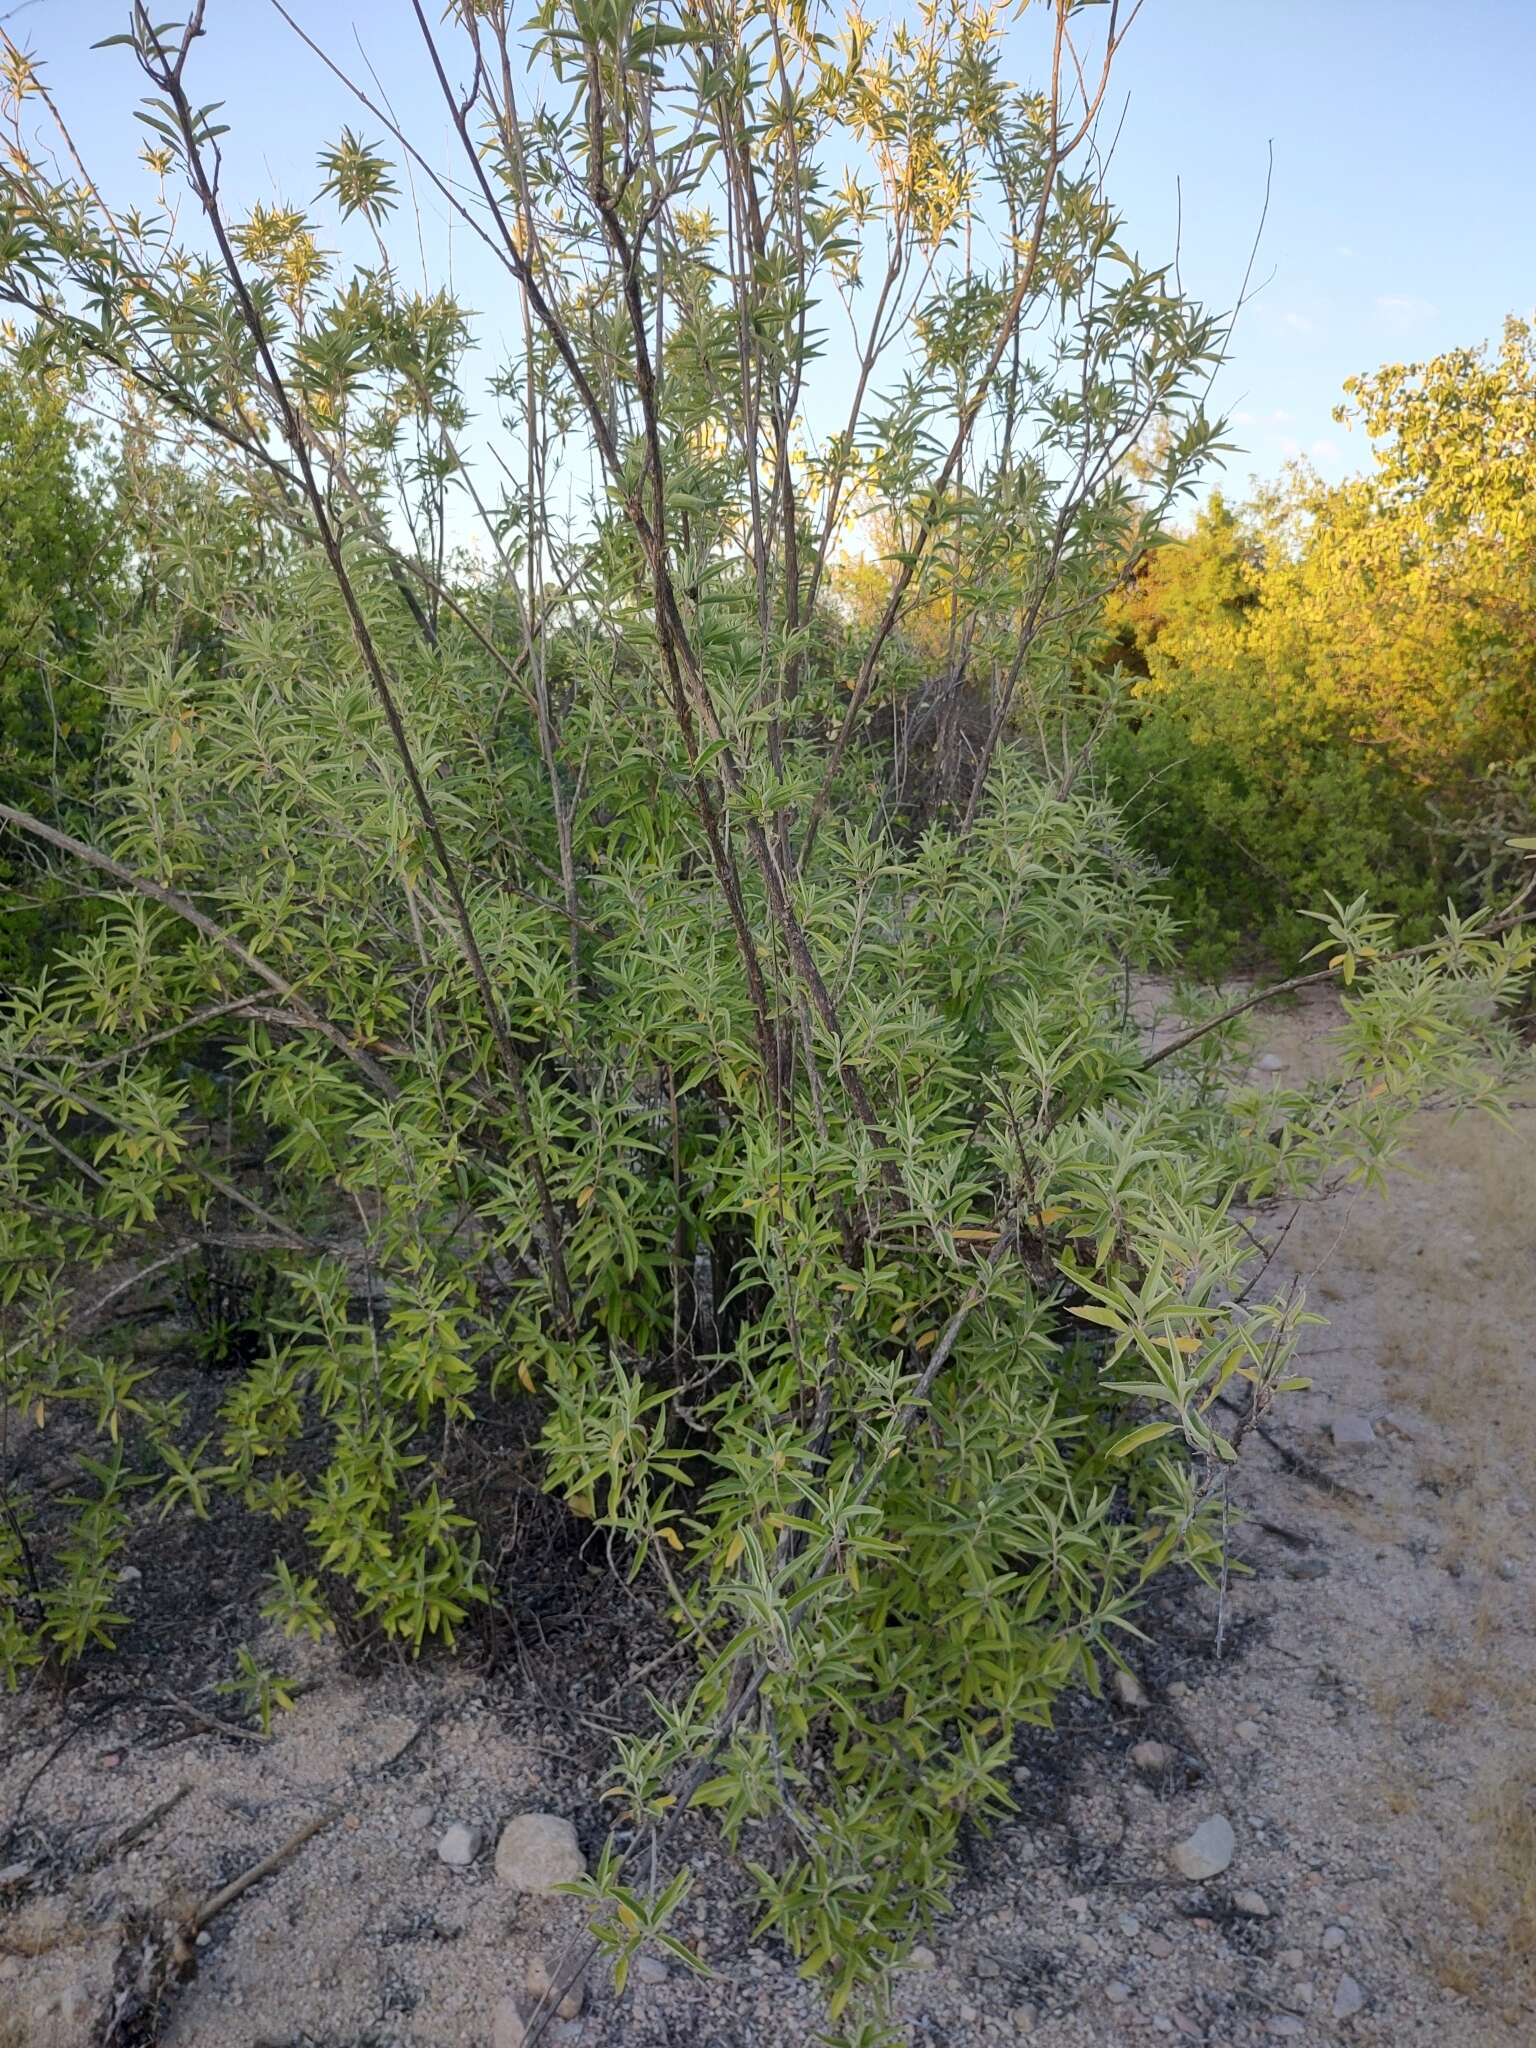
(922, 1958)
(1270, 1063)
(1128, 1689)
(459, 1847)
(1286, 2026)
(419, 1817)
(1248, 1731)
(1307, 1568)
(1290, 1959)
(1508, 1568)
(509, 2023)
(1160, 1946)
(651, 1970)
(1129, 1924)
(537, 1852)
(1352, 1433)
(1333, 1937)
(1206, 1852)
(1023, 2017)
(130, 1575)
(1348, 1999)
(1161, 2024)
(541, 1982)
(1117, 1991)
(1253, 1904)
(1180, 1691)
(1151, 1757)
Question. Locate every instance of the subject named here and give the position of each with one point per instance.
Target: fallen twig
(137, 1830)
(211, 1908)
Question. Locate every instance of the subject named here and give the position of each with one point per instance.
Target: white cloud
(1401, 310)
(1245, 419)
(1324, 451)
(1345, 251)
(1298, 322)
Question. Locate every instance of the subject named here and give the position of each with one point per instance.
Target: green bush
(1336, 686)
(59, 585)
(616, 1036)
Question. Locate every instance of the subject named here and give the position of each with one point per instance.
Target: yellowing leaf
(671, 1538)
(525, 1377)
(735, 1547)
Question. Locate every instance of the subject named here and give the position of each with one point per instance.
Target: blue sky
(1401, 212)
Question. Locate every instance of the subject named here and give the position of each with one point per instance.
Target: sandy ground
(1360, 1706)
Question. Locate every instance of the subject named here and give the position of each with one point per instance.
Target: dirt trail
(1360, 1705)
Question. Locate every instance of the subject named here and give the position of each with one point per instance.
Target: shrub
(1334, 687)
(615, 1035)
(59, 583)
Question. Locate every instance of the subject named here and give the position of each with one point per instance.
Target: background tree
(1340, 681)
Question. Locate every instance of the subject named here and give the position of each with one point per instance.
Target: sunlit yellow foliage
(1348, 671)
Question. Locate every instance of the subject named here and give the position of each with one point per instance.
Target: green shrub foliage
(651, 1000)
(60, 584)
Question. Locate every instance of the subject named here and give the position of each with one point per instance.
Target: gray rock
(512, 2025)
(1306, 1568)
(1207, 1852)
(420, 1816)
(509, 2023)
(1348, 1999)
(130, 1575)
(1404, 1423)
(537, 1852)
(1333, 1938)
(541, 1982)
(461, 1844)
(14, 1874)
(1130, 1926)
(1270, 1063)
(1128, 1689)
(1248, 1731)
(1023, 2017)
(1284, 2025)
(1151, 1757)
(1509, 1568)
(1353, 1433)
(1117, 1991)
(922, 1958)
(1290, 1959)
(1253, 1904)
(651, 1970)
(1160, 1946)
(1299, 1997)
